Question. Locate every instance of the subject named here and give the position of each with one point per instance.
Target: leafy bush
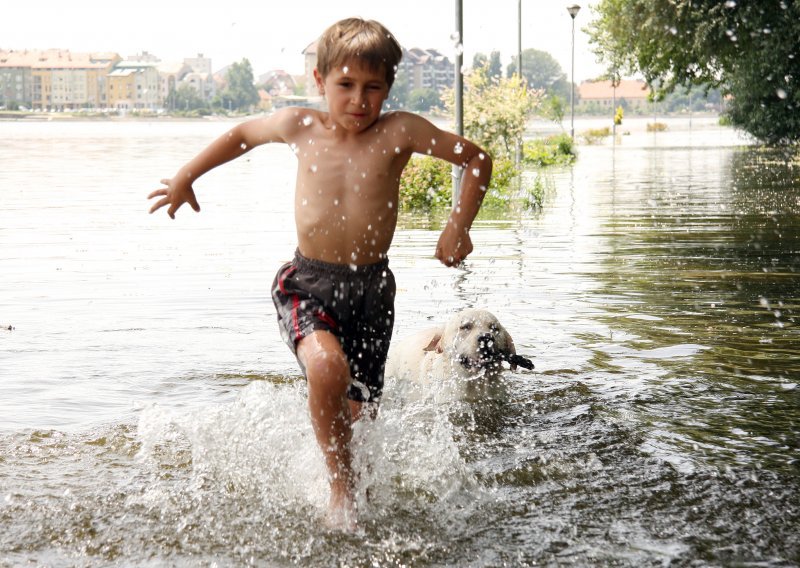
(496, 111)
(427, 185)
(555, 150)
(594, 135)
(656, 127)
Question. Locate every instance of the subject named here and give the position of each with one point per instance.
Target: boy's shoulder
(405, 119)
(297, 114)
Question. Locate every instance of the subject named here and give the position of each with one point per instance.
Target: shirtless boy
(335, 301)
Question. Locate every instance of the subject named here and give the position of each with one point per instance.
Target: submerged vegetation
(496, 110)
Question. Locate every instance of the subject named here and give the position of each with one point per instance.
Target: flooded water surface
(150, 415)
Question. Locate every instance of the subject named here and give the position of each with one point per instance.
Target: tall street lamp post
(573, 10)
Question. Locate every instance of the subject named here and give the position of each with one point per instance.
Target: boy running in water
(335, 300)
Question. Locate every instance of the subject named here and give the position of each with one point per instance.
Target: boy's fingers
(193, 202)
(158, 205)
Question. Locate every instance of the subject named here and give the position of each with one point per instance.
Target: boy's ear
(318, 79)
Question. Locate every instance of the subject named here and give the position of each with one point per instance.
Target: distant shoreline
(92, 117)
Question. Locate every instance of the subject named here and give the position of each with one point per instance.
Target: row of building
(58, 79)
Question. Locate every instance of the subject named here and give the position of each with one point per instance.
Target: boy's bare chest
(360, 168)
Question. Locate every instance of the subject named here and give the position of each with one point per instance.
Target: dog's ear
(435, 343)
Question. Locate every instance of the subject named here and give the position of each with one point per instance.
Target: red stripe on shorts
(295, 323)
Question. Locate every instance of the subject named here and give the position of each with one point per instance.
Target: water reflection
(708, 257)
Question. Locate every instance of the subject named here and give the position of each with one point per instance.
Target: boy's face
(355, 95)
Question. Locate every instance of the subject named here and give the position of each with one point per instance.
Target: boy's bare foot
(342, 511)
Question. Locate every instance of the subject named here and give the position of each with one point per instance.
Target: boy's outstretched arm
(455, 243)
(240, 139)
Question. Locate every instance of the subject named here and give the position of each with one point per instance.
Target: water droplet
(433, 141)
(307, 120)
(390, 205)
(356, 188)
(397, 149)
(730, 4)
(243, 146)
(781, 94)
(458, 148)
(476, 172)
(293, 147)
(304, 202)
(314, 168)
(336, 202)
(345, 69)
(482, 156)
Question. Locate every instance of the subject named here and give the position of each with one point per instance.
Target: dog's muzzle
(490, 357)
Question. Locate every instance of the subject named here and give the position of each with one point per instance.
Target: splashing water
(260, 449)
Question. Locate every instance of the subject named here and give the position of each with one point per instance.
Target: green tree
(240, 92)
(495, 111)
(185, 98)
(423, 100)
(542, 72)
(491, 66)
(398, 96)
(746, 48)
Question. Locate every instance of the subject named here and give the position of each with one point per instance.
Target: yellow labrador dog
(469, 349)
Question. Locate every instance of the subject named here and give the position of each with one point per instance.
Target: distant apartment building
(55, 79)
(170, 77)
(200, 77)
(427, 69)
(134, 85)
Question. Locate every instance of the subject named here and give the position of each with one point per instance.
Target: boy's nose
(359, 98)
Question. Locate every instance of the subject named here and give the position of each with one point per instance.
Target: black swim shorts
(355, 303)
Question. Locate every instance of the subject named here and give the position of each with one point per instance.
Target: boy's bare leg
(332, 415)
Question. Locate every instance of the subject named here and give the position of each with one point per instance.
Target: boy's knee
(328, 370)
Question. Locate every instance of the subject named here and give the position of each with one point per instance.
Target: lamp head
(573, 10)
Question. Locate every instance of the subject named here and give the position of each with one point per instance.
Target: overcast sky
(273, 34)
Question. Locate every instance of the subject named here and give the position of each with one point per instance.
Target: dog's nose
(486, 342)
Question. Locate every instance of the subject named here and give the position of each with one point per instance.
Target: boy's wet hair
(367, 41)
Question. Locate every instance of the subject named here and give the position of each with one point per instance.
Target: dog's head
(477, 343)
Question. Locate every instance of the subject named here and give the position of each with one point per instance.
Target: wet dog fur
(468, 351)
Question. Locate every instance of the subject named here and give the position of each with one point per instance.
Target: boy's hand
(454, 245)
(174, 195)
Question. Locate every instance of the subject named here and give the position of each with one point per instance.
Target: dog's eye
(466, 326)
